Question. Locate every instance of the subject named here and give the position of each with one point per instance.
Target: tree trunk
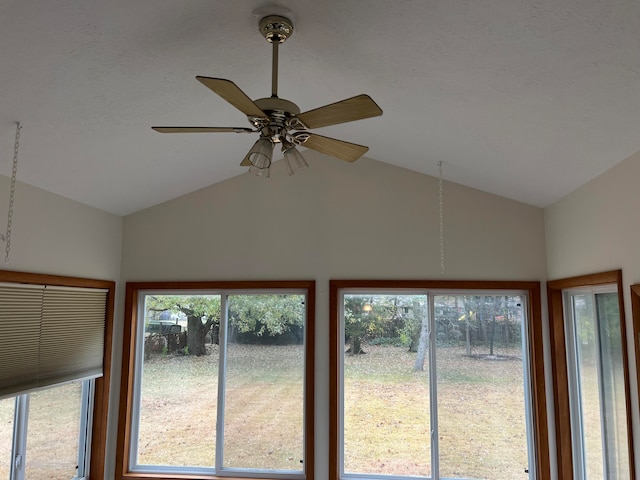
(506, 332)
(468, 331)
(492, 334)
(506, 320)
(196, 331)
(423, 342)
(356, 345)
(415, 342)
(215, 335)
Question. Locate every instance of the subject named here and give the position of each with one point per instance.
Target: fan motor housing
(275, 104)
(282, 122)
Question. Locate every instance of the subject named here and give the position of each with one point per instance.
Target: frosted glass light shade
(261, 153)
(294, 160)
(260, 172)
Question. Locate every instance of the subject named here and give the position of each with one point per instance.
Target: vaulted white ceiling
(525, 99)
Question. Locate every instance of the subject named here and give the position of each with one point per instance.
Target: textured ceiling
(525, 99)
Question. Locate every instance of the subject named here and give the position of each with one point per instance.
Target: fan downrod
(275, 28)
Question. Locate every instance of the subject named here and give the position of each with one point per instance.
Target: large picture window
(437, 380)
(221, 380)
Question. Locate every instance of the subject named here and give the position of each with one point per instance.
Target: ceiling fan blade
(202, 129)
(354, 108)
(349, 152)
(232, 94)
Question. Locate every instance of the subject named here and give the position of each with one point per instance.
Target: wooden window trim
(539, 408)
(128, 361)
(635, 314)
(101, 395)
(559, 372)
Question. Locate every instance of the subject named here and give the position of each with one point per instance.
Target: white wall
(332, 221)
(596, 229)
(54, 235)
(57, 236)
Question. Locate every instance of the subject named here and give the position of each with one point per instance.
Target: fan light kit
(279, 121)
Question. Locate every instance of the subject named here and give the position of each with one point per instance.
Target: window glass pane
(600, 403)
(613, 392)
(386, 385)
(53, 432)
(482, 428)
(263, 414)
(179, 381)
(587, 382)
(7, 406)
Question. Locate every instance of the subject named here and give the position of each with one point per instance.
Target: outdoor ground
(482, 433)
(52, 438)
(481, 417)
(480, 409)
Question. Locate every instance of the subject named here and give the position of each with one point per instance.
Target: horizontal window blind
(20, 314)
(49, 335)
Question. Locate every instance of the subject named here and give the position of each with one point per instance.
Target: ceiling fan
(279, 121)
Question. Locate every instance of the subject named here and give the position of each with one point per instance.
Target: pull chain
(12, 193)
(441, 202)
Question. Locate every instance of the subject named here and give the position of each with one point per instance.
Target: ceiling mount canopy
(275, 28)
(279, 121)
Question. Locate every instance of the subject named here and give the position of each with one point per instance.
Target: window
(44, 433)
(437, 380)
(221, 380)
(55, 345)
(591, 377)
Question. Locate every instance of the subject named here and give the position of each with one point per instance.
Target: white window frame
(219, 469)
(575, 404)
(531, 469)
(19, 452)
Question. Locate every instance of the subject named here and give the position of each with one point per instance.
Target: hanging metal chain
(441, 202)
(12, 194)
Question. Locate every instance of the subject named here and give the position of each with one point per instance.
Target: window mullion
(601, 390)
(86, 426)
(341, 341)
(20, 423)
(531, 468)
(573, 374)
(433, 390)
(222, 369)
(137, 393)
